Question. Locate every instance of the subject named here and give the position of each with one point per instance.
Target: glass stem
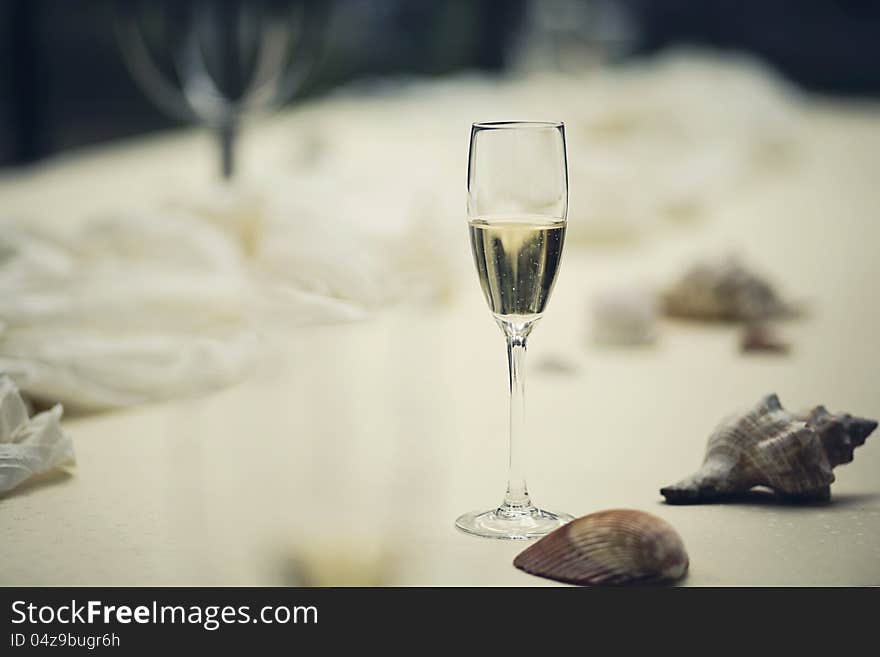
(226, 133)
(516, 500)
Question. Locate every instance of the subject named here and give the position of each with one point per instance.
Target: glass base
(512, 523)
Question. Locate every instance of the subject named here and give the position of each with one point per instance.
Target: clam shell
(615, 547)
(794, 455)
(723, 291)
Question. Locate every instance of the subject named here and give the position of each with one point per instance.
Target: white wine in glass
(517, 259)
(517, 209)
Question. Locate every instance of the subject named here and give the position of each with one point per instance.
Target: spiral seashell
(615, 547)
(794, 455)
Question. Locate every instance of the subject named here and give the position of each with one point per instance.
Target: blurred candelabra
(215, 61)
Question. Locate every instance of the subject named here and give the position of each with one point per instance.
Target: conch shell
(794, 455)
(723, 291)
(620, 546)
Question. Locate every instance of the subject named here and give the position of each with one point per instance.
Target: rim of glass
(502, 125)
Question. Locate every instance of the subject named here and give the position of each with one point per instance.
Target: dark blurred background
(63, 83)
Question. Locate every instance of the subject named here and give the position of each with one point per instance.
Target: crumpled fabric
(134, 308)
(29, 446)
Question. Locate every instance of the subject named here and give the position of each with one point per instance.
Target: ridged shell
(723, 291)
(615, 547)
(794, 455)
(839, 434)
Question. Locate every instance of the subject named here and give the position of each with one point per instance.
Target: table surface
(347, 456)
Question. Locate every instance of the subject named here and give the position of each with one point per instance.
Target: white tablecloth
(348, 454)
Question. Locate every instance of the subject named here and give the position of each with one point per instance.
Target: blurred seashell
(336, 565)
(620, 546)
(625, 316)
(724, 291)
(556, 364)
(758, 336)
(794, 455)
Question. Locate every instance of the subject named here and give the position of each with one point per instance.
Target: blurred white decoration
(337, 238)
(608, 207)
(669, 138)
(360, 205)
(125, 310)
(650, 141)
(28, 446)
(625, 315)
(152, 305)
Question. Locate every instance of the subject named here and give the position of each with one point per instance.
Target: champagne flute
(517, 209)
